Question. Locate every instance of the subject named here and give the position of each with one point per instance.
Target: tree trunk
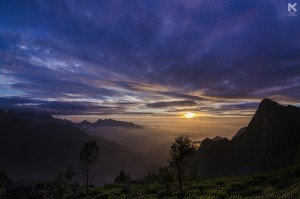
(87, 179)
(179, 173)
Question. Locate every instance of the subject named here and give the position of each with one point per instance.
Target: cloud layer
(157, 57)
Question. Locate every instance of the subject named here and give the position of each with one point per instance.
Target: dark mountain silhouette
(271, 140)
(217, 138)
(108, 123)
(85, 123)
(38, 147)
(240, 132)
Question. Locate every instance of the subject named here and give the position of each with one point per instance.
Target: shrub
(252, 182)
(2, 192)
(236, 187)
(251, 191)
(285, 183)
(154, 188)
(219, 182)
(218, 193)
(193, 192)
(274, 180)
(296, 172)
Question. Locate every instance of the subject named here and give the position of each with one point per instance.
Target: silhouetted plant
(166, 178)
(122, 177)
(60, 186)
(69, 174)
(125, 191)
(181, 148)
(88, 156)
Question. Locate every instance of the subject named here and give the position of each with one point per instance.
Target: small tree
(166, 177)
(60, 187)
(122, 177)
(69, 174)
(180, 150)
(88, 156)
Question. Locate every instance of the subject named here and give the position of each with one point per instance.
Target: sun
(189, 115)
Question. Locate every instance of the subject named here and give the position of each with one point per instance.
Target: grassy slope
(283, 184)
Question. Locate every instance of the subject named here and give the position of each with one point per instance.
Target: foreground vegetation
(178, 180)
(281, 184)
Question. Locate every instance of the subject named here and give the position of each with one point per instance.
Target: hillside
(270, 141)
(38, 147)
(277, 184)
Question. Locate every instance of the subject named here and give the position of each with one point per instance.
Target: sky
(148, 61)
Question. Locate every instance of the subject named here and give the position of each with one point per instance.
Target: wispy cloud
(172, 103)
(146, 53)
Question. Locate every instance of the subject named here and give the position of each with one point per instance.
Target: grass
(281, 184)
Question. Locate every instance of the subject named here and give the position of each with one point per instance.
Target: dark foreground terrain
(261, 161)
(281, 184)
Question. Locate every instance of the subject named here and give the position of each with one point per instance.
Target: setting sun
(189, 115)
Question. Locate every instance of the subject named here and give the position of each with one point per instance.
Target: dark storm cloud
(112, 49)
(171, 103)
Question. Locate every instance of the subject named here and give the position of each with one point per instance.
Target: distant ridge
(271, 140)
(38, 147)
(108, 123)
(85, 123)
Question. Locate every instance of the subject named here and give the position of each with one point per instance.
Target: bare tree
(88, 156)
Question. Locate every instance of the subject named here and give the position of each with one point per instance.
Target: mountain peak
(267, 111)
(271, 140)
(266, 103)
(85, 123)
(217, 138)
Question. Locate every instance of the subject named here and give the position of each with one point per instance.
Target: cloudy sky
(157, 58)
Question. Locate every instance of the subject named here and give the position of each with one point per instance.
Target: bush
(251, 191)
(273, 181)
(296, 172)
(263, 177)
(236, 187)
(207, 197)
(219, 182)
(285, 183)
(219, 194)
(193, 193)
(154, 188)
(235, 197)
(252, 182)
(2, 192)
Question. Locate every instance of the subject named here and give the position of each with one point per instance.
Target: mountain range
(270, 141)
(38, 147)
(108, 123)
